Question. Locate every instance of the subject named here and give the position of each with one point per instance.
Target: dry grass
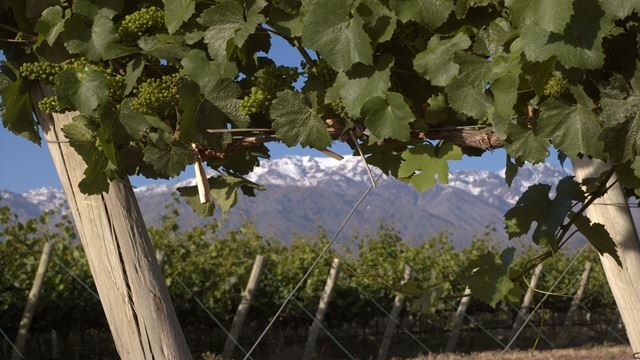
(598, 352)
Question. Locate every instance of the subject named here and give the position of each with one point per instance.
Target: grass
(603, 352)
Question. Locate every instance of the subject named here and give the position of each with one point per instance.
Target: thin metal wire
(12, 344)
(57, 141)
(77, 278)
(475, 323)
(212, 317)
(313, 265)
(611, 330)
(537, 329)
(513, 339)
(366, 164)
(333, 338)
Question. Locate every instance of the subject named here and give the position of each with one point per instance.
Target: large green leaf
(50, 24)
(338, 36)
(388, 117)
(296, 123)
(525, 144)
(177, 12)
(430, 13)
(224, 192)
(17, 114)
(467, 92)
(168, 159)
(97, 40)
(436, 62)
(598, 236)
(488, 276)
(572, 128)
(424, 165)
(550, 15)
(87, 90)
(197, 116)
(361, 83)
(379, 21)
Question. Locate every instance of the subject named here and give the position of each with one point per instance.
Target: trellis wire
(76, 278)
(313, 265)
(475, 323)
(611, 330)
(215, 320)
(566, 270)
(537, 329)
(12, 344)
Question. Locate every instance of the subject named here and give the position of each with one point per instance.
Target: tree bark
(243, 308)
(32, 301)
(526, 302)
(393, 319)
(310, 346)
(613, 212)
(575, 302)
(132, 291)
(458, 320)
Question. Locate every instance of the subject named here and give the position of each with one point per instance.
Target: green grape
(40, 71)
(324, 72)
(258, 100)
(339, 109)
(555, 86)
(158, 96)
(116, 85)
(267, 82)
(51, 105)
(146, 21)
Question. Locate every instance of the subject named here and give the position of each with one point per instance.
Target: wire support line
(566, 270)
(611, 330)
(12, 344)
(537, 329)
(313, 265)
(475, 323)
(333, 338)
(215, 320)
(77, 278)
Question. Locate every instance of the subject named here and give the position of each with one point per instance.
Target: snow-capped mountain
(305, 192)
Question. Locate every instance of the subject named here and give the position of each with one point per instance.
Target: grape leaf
(525, 144)
(163, 46)
(134, 70)
(598, 236)
(135, 123)
(361, 83)
(198, 115)
(296, 123)
(97, 40)
(50, 24)
(224, 192)
(89, 8)
(425, 164)
(17, 114)
(620, 8)
(488, 276)
(87, 91)
(430, 13)
(379, 21)
(167, 159)
(388, 118)
(550, 15)
(436, 62)
(467, 92)
(339, 37)
(491, 40)
(573, 129)
(177, 12)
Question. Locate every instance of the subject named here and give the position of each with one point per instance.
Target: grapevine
(51, 105)
(555, 86)
(267, 83)
(146, 21)
(322, 70)
(40, 71)
(158, 96)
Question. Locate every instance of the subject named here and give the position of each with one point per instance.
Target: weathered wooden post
(32, 301)
(393, 319)
(314, 330)
(575, 302)
(526, 302)
(243, 308)
(458, 320)
(624, 281)
(55, 345)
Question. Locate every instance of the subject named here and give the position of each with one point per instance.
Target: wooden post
(32, 301)
(612, 211)
(243, 308)
(132, 291)
(458, 320)
(55, 345)
(526, 302)
(393, 319)
(570, 318)
(314, 330)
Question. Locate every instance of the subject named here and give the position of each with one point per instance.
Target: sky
(25, 166)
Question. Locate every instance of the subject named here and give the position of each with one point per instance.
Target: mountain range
(306, 193)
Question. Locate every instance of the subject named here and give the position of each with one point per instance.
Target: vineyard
(206, 274)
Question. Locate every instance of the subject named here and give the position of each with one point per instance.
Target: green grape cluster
(40, 70)
(116, 86)
(338, 108)
(323, 71)
(267, 82)
(158, 96)
(52, 105)
(555, 86)
(146, 21)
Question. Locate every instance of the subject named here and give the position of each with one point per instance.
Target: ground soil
(594, 353)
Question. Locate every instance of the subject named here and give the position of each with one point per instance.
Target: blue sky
(24, 165)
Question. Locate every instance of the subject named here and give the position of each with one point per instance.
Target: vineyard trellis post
(624, 280)
(528, 298)
(132, 291)
(314, 330)
(32, 301)
(575, 302)
(458, 320)
(243, 308)
(393, 318)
